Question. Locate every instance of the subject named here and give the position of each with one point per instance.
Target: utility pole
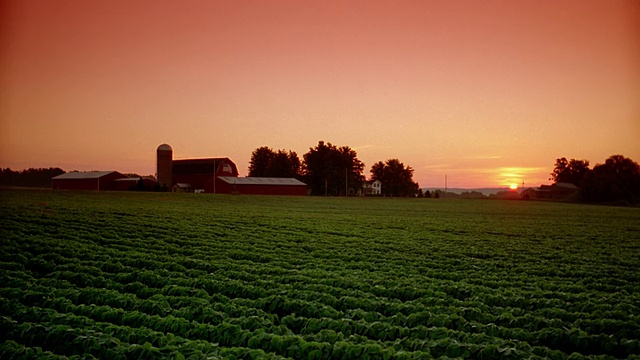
(346, 183)
(445, 186)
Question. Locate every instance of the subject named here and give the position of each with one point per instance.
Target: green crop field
(147, 275)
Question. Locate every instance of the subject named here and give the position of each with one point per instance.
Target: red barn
(200, 173)
(86, 180)
(261, 186)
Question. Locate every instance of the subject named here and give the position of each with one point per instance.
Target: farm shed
(86, 180)
(557, 191)
(262, 186)
(181, 187)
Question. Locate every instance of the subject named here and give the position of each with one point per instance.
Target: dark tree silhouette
(397, 180)
(267, 163)
(615, 181)
(570, 171)
(32, 177)
(260, 161)
(326, 166)
(286, 164)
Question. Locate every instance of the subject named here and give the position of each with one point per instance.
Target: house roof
(558, 186)
(83, 175)
(134, 179)
(260, 181)
(371, 181)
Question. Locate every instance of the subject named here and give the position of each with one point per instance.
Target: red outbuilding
(261, 186)
(86, 180)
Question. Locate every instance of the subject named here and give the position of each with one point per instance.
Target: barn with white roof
(86, 180)
(261, 186)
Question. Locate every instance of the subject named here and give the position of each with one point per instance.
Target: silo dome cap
(165, 147)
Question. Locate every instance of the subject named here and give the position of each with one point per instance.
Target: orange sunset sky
(488, 92)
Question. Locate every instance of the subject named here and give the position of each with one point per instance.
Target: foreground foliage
(123, 275)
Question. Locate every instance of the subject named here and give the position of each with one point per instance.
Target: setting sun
(513, 186)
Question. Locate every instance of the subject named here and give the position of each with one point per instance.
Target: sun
(513, 186)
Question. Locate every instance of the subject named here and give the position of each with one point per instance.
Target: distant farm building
(217, 176)
(100, 180)
(262, 186)
(371, 188)
(557, 191)
(86, 180)
(181, 187)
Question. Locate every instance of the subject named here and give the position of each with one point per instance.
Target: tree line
(32, 177)
(617, 181)
(328, 169)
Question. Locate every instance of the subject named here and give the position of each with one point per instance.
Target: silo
(164, 156)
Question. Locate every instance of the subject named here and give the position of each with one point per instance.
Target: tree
(572, 171)
(260, 161)
(332, 170)
(286, 164)
(267, 163)
(617, 180)
(397, 180)
(32, 177)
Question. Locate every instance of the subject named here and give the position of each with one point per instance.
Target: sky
(488, 93)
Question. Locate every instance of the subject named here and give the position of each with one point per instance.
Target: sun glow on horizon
(513, 186)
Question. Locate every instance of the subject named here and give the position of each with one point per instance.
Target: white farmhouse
(371, 188)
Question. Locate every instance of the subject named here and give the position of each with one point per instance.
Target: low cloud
(483, 157)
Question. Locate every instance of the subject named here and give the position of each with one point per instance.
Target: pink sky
(488, 92)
